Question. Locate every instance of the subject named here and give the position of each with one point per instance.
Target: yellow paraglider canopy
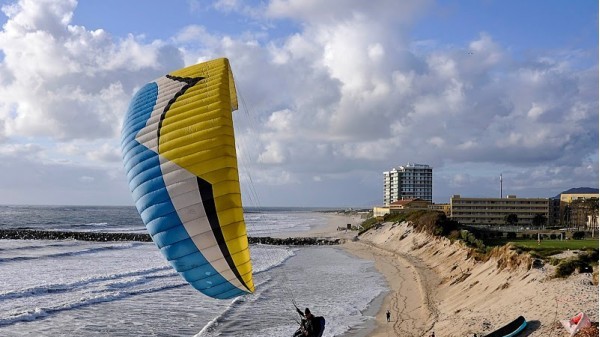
(179, 152)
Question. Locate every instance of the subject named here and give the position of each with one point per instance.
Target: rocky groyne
(306, 241)
(29, 234)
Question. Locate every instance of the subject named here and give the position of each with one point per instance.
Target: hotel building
(413, 181)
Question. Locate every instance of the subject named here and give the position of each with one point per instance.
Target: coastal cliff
(464, 294)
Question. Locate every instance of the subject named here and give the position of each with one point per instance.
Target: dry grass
(509, 259)
(588, 332)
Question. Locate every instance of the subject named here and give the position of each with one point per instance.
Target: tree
(511, 219)
(539, 220)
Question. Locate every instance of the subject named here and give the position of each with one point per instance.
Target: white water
(74, 288)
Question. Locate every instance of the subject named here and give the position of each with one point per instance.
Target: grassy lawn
(546, 247)
(557, 244)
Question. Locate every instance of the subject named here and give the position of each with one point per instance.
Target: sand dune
(436, 286)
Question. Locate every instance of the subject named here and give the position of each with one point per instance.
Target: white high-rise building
(408, 182)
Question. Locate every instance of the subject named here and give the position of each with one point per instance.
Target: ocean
(81, 288)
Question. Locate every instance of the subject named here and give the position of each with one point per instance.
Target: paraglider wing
(179, 154)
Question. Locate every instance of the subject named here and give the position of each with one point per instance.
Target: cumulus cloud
(63, 81)
(273, 154)
(484, 105)
(390, 105)
(347, 90)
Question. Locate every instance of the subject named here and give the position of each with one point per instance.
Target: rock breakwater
(305, 241)
(29, 234)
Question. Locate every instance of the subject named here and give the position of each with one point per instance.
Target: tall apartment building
(408, 182)
(492, 211)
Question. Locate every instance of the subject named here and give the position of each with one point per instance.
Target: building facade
(554, 212)
(493, 211)
(578, 210)
(440, 208)
(400, 206)
(413, 181)
(380, 212)
(568, 198)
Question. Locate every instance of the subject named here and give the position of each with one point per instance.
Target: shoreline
(328, 229)
(376, 307)
(383, 262)
(435, 285)
(408, 298)
(463, 296)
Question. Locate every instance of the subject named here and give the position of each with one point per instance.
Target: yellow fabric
(197, 134)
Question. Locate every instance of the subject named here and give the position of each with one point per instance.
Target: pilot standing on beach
(387, 315)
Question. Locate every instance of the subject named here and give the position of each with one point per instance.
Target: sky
(333, 94)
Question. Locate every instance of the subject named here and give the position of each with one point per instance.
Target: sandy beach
(435, 286)
(330, 229)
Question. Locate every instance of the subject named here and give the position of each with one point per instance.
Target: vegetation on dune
(582, 262)
(485, 243)
(431, 222)
(367, 224)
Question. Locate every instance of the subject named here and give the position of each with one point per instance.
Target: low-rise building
(568, 198)
(399, 206)
(493, 211)
(576, 208)
(441, 208)
(379, 212)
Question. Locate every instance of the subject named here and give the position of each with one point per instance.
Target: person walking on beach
(387, 315)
